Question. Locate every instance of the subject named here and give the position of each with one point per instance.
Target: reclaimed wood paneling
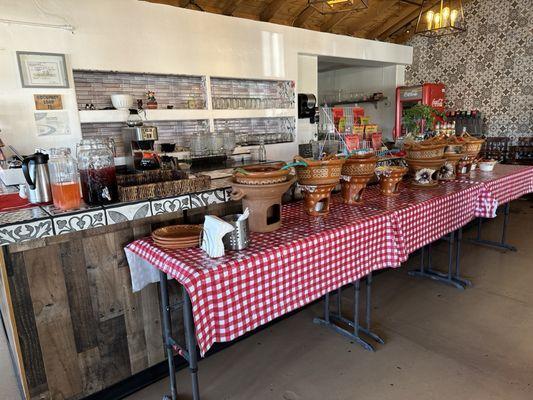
(52, 317)
(30, 346)
(79, 295)
(113, 345)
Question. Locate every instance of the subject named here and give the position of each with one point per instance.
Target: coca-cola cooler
(431, 94)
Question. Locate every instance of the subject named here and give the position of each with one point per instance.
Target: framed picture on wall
(42, 70)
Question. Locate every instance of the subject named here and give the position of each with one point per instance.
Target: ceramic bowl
(122, 101)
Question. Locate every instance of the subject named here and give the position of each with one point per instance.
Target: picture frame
(42, 70)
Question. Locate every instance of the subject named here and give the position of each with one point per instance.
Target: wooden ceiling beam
(333, 20)
(405, 18)
(231, 6)
(303, 16)
(270, 9)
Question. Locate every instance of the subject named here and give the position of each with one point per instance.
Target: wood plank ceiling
(385, 20)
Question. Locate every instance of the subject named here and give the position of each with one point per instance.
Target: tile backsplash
(180, 91)
(489, 67)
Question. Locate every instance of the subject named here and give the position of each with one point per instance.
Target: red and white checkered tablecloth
(423, 215)
(280, 271)
(503, 184)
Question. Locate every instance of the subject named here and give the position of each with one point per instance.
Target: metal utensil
(238, 239)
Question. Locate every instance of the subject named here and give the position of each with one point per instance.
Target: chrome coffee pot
(35, 170)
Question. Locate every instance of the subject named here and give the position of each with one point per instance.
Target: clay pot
(317, 199)
(264, 203)
(352, 190)
(319, 172)
(425, 152)
(261, 174)
(359, 165)
(356, 173)
(390, 178)
(423, 171)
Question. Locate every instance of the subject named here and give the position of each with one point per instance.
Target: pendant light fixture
(446, 17)
(325, 7)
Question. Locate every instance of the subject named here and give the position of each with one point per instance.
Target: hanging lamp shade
(325, 7)
(445, 17)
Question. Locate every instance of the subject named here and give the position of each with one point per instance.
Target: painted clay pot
(264, 203)
(319, 172)
(390, 178)
(423, 171)
(317, 199)
(261, 174)
(447, 171)
(356, 173)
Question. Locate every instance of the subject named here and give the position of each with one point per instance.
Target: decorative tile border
(128, 212)
(79, 221)
(39, 222)
(172, 204)
(26, 231)
(207, 198)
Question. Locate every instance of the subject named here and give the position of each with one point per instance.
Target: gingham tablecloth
(503, 184)
(423, 215)
(280, 271)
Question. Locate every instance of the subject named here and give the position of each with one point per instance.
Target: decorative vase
(151, 105)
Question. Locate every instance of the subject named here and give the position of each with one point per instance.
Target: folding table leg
(494, 244)
(449, 278)
(167, 339)
(190, 340)
(332, 320)
(171, 345)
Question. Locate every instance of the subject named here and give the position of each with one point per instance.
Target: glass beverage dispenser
(64, 180)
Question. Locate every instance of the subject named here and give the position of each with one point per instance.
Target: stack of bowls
(177, 236)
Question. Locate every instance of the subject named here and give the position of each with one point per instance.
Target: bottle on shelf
(262, 150)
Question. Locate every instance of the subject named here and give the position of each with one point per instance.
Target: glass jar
(229, 140)
(96, 165)
(198, 144)
(215, 144)
(64, 180)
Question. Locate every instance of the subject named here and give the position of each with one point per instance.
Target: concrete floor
(441, 343)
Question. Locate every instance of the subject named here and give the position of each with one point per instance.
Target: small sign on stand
(48, 102)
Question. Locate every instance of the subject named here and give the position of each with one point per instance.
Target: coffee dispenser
(139, 148)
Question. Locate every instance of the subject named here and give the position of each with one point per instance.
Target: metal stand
(452, 277)
(490, 243)
(331, 319)
(172, 346)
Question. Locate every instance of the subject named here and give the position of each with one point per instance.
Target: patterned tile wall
(181, 91)
(178, 132)
(490, 67)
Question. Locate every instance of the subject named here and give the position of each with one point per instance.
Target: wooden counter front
(74, 325)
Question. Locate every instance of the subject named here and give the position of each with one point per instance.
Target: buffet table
(309, 258)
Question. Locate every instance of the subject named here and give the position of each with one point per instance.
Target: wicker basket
(163, 183)
(472, 147)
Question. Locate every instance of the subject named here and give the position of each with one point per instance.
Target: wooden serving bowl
(319, 172)
(267, 174)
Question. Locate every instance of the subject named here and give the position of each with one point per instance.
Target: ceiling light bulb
(445, 15)
(429, 18)
(436, 20)
(453, 17)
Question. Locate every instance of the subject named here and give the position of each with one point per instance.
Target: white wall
(132, 35)
(368, 80)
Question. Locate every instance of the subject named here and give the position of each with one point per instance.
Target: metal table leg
(494, 244)
(451, 277)
(172, 346)
(332, 320)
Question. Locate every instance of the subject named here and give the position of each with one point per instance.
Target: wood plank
(91, 371)
(79, 295)
(231, 6)
(270, 9)
(113, 346)
(303, 16)
(52, 316)
(9, 318)
(102, 271)
(152, 324)
(333, 20)
(133, 315)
